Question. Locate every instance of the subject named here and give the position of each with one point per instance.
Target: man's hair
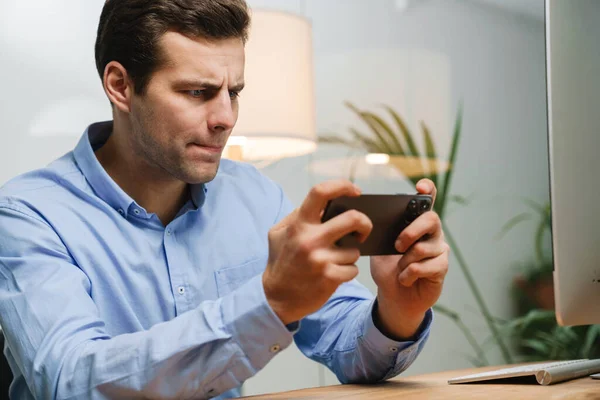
(129, 30)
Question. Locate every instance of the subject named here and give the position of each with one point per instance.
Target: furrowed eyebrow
(237, 88)
(206, 85)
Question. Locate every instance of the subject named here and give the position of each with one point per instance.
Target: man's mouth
(214, 148)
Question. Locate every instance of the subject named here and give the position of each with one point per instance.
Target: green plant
(538, 337)
(532, 287)
(542, 229)
(397, 140)
(534, 331)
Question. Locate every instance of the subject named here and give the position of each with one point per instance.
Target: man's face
(183, 120)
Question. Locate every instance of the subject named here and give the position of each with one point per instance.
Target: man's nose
(222, 115)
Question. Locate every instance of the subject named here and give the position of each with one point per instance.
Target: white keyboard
(545, 373)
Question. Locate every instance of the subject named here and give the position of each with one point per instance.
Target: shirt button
(120, 210)
(275, 348)
(181, 290)
(393, 349)
(136, 211)
(169, 231)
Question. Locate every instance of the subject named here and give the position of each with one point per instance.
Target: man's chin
(203, 174)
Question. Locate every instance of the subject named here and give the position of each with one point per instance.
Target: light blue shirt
(99, 300)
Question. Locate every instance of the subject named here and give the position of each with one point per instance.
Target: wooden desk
(435, 386)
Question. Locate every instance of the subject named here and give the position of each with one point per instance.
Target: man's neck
(151, 189)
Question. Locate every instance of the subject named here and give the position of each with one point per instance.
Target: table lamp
(277, 110)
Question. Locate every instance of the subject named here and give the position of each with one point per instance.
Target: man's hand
(408, 285)
(304, 267)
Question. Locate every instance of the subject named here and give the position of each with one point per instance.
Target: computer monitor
(573, 95)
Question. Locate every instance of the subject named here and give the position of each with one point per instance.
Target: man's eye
(233, 94)
(196, 93)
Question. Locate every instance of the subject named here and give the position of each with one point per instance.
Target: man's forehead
(177, 48)
(190, 59)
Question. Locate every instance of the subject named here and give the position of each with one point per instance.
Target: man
(130, 268)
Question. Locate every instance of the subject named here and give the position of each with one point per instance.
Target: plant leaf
(441, 195)
(429, 145)
(367, 143)
(430, 153)
(377, 121)
(460, 200)
(537, 315)
(535, 205)
(591, 338)
(514, 221)
(548, 217)
(380, 140)
(446, 311)
(410, 143)
(539, 240)
(536, 345)
(330, 139)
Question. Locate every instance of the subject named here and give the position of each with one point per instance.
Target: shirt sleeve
(59, 342)
(343, 336)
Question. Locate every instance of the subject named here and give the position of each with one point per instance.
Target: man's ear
(118, 86)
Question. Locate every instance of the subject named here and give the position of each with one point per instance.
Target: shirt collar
(102, 184)
(198, 194)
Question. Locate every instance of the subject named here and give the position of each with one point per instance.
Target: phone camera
(425, 205)
(412, 205)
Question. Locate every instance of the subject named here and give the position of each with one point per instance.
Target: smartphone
(389, 213)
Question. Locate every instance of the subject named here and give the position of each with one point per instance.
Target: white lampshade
(277, 112)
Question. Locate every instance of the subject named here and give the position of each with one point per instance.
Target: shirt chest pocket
(230, 278)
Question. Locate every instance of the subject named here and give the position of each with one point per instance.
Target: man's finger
(340, 273)
(426, 224)
(426, 186)
(433, 269)
(351, 221)
(337, 256)
(422, 250)
(320, 194)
